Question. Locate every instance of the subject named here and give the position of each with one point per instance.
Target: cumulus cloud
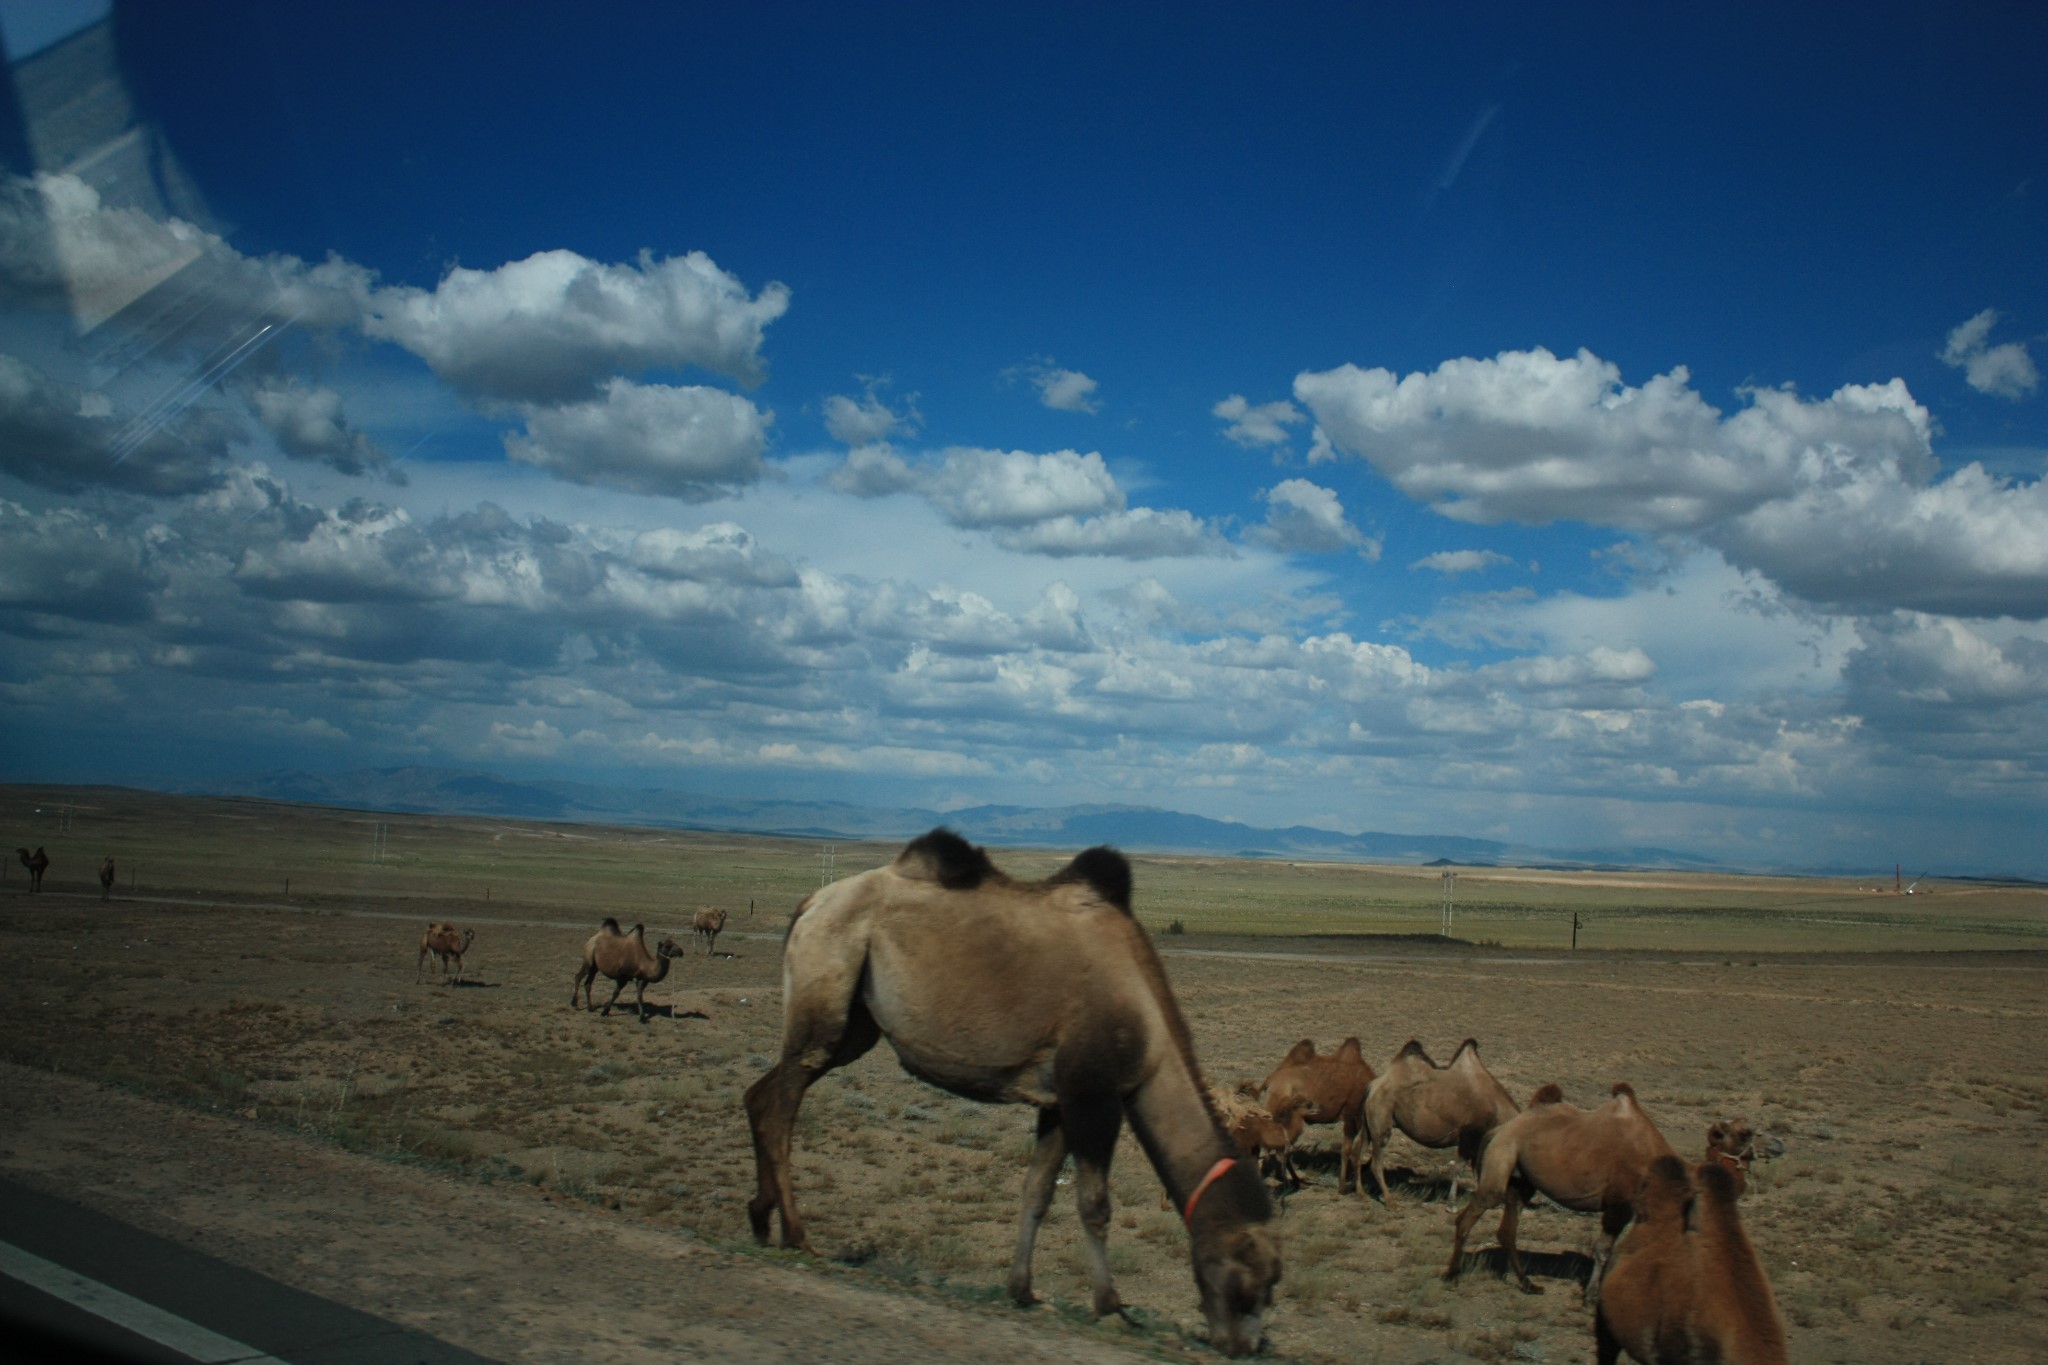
(867, 419)
(1837, 499)
(556, 326)
(691, 442)
(1061, 389)
(1306, 517)
(68, 439)
(1453, 562)
(723, 551)
(2005, 370)
(1135, 533)
(65, 563)
(1262, 425)
(308, 424)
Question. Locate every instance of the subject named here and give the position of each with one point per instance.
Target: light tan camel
(1041, 993)
(444, 942)
(1734, 1144)
(707, 925)
(37, 863)
(1590, 1160)
(1685, 1284)
(1436, 1106)
(1326, 1088)
(623, 957)
(107, 878)
(1262, 1137)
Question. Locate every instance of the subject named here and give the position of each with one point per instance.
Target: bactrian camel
(1041, 993)
(37, 863)
(1436, 1106)
(1325, 1088)
(623, 957)
(107, 878)
(1684, 1283)
(1590, 1160)
(706, 925)
(445, 943)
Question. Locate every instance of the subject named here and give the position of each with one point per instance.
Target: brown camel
(1041, 993)
(707, 925)
(37, 863)
(623, 957)
(1262, 1137)
(1590, 1160)
(444, 942)
(1326, 1088)
(1734, 1144)
(107, 878)
(1685, 1284)
(1436, 1106)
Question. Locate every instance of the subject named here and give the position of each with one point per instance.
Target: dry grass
(1903, 1223)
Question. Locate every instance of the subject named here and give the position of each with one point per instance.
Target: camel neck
(1177, 1130)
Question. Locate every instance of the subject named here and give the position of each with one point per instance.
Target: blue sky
(1579, 428)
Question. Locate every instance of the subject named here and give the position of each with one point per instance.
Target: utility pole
(1575, 931)
(1450, 885)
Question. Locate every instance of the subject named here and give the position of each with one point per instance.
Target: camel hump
(1104, 870)
(1716, 1182)
(610, 925)
(1352, 1050)
(1550, 1092)
(1413, 1048)
(1470, 1045)
(944, 857)
(1624, 1091)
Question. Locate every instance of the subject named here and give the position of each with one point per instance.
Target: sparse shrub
(1176, 926)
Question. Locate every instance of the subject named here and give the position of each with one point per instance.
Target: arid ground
(261, 1075)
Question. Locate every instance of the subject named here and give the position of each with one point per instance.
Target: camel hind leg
(1040, 1178)
(1091, 1130)
(812, 1045)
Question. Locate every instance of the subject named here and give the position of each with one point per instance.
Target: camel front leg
(1510, 1221)
(1040, 1178)
(618, 988)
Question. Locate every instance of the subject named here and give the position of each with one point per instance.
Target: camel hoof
(1528, 1288)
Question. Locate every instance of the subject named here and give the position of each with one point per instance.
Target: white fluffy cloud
(308, 424)
(867, 419)
(1061, 389)
(688, 442)
(1837, 498)
(1262, 425)
(1308, 518)
(2005, 370)
(1452, 562)
(556, 326)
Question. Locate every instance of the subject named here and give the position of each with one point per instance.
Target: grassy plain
(1894, 1042)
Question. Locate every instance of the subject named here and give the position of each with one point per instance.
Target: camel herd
(38, 863)
(1050, 994)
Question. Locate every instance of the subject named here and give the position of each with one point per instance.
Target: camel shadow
(1422, 1187)
(658, 1012)
(470, 984)
(1575, 1266)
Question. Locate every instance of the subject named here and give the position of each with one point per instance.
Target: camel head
(1736, 1139)
(667, 948)
(1236, 1276)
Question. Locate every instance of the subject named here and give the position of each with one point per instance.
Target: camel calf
(1325, 1088)
(444, 942)
(1674, 1294)
(1590, 1160)
(706, 925)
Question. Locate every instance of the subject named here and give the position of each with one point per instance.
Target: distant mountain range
(445, 791)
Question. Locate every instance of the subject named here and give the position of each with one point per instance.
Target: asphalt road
(76, 1285)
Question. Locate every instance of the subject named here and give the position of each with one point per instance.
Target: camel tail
(1104, 870)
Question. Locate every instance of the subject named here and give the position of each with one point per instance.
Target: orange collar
(1215, 1174)
(1732, 1162)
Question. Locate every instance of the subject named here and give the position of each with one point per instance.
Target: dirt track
(549, 1150)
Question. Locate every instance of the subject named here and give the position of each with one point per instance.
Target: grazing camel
(1326, 1088)
(443, 942)
(623, 957)
(1436, 1106)
(37, 863)
(1262, 1137)
(1684, 1283)
(707, 924)
(1733, 1144)
(1592, 1160)
(107, 878)
(1041, 993)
